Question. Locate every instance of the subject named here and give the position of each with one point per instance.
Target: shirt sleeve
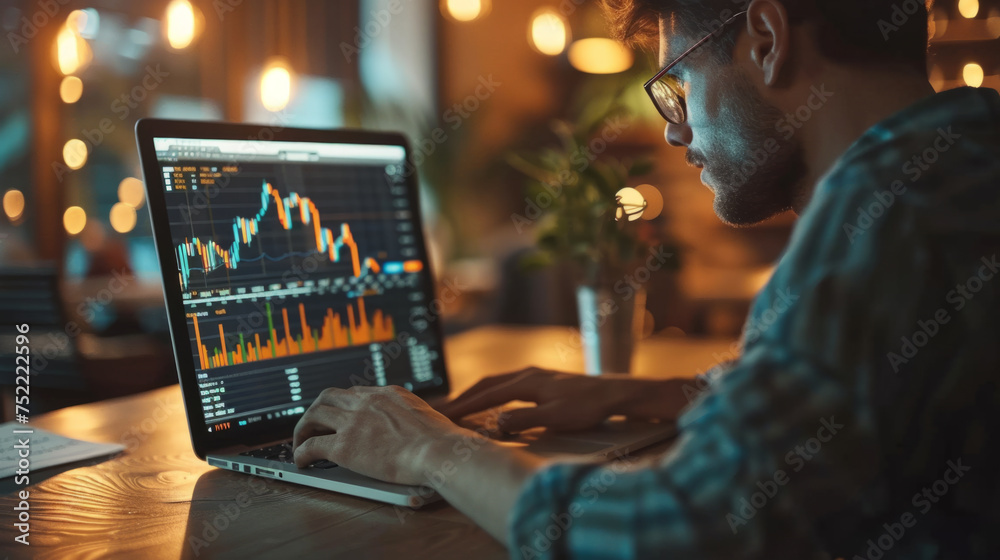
(780, 446)
(756, 457)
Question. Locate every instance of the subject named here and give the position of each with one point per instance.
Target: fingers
(317, 421)
(316, 448)
(483, 384)
(519, 387)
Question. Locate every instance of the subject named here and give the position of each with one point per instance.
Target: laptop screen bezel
(146, 130)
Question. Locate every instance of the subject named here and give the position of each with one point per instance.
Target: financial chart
(300, 268)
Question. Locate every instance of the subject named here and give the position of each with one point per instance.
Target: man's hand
(381, 432)
(567, 401)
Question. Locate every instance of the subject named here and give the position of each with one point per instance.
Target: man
(862, 422)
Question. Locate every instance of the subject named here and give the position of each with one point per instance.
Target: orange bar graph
(333, 334)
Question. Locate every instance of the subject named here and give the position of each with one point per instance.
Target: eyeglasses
(667, 92)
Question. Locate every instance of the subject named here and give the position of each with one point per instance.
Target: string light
(13, 204)
(70, 89)
(130, 191)
(75, 153)
(74, 220)
(122, 217)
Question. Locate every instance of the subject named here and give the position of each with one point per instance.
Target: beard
(753, 169)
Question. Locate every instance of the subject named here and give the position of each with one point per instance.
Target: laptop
(294, 260)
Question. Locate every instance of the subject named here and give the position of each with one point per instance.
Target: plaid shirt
(861, 420)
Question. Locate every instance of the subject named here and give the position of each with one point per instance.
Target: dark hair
(849, 31)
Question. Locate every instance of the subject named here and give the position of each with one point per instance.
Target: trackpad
(616, 435)
(543, 442)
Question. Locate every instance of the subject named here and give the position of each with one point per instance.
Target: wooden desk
(157, 500)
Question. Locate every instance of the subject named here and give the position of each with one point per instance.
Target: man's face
(731, 133)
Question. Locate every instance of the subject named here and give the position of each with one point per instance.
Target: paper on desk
(45, 448)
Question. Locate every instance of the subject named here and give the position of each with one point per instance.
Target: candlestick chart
(289, 212)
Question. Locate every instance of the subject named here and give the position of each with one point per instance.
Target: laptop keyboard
(283, 454)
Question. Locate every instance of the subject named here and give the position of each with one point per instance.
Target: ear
(769, 30)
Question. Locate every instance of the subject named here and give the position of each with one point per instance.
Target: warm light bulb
(13, 204)
(465, 10)
(122, 217)
(70, 89)
(968, 8)
(180, 24)
(973, 74)
(74, 220)
(548, 33)
(600, 56)
(276, 86)
(130, 191)
(75, 153)
(72, 51)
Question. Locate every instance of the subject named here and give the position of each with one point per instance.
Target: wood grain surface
(157, 500)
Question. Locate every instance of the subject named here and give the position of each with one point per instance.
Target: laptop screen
(301, 267)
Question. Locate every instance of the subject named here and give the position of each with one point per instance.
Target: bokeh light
(180, 24)
(973, 74)
(131, 192)
(600, 56)
(72, 51)
(122, 217)
(74, 220)
(465, 10)
(968, 8)
(70, 89)
(276, 85)
(13, 204)
(75, 153)
(548, 33)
